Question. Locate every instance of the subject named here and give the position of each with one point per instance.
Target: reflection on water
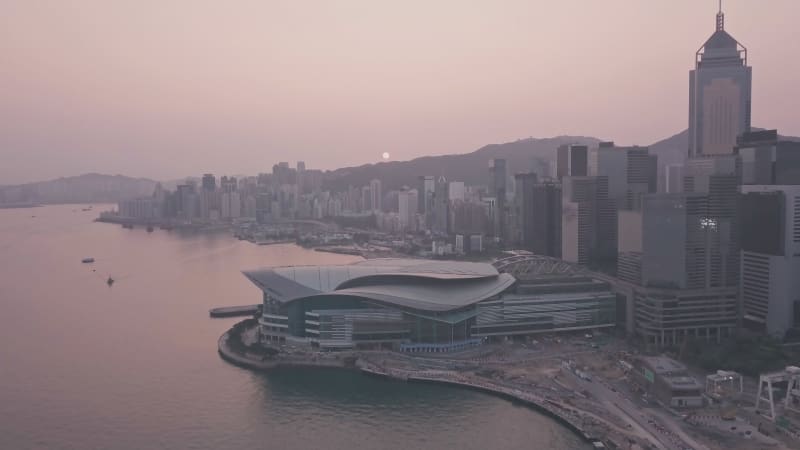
(134, 366)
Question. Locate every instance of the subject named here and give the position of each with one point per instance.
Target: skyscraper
(588, 222)
(425, 187)
(497, 189)
(770, 285)
(539, 215)
(407, 209)
(674, 178)
(719, 94)
(441, 203)
(717, 179)
(766, 159)
(209, 182)
(572, 161)
(667, 249)
(631, 172)
(377, 195)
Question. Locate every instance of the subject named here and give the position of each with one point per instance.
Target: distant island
(87, 188)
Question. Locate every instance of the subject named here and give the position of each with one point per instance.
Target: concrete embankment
(257, 362)
(513, 395)
(351, 362)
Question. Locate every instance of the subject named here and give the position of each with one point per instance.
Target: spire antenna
(720, 18)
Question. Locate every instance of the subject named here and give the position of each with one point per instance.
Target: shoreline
(363, 366)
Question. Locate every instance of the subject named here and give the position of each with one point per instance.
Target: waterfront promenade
(590, 426)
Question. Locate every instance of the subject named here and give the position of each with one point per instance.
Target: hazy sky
(166, 89)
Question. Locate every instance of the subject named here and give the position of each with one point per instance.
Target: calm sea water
(85, 366)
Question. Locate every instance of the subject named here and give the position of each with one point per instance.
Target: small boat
(110, 281)
(87, 260)
(127, 225)
(149, 228)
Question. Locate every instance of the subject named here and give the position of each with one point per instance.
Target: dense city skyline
(224, 89)
(641, 294)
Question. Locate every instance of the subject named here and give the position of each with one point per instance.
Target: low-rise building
(668, 381)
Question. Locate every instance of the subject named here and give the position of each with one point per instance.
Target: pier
(234, 311)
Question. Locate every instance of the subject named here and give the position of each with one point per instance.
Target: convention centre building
(419, 305)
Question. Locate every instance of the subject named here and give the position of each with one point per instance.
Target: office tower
(209, 183)
(718, 179)
(665, 251)
(766, 159)
(497, 189)
(440, 206)
(719, 94)
(425, 187)
(539, 215)
(456, 190)
(467, 217)
(301, 166)
(770, 278)
(588, 222)
(377, 195)
(674, 178)
(572, 161)
(407, 209)
(631, 172)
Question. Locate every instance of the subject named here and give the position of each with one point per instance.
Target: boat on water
(87, 260)
(149, 228)
(127, 225)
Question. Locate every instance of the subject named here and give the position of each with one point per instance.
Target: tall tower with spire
(719, 94)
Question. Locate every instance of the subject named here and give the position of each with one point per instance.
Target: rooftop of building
(662, 365)
(425, 285)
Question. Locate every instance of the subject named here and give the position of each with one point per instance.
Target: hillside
(472, 168)
(87, 188)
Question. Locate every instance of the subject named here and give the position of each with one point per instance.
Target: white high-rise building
(456, 190)
(674, 178)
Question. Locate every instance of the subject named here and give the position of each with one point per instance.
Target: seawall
(543, 406)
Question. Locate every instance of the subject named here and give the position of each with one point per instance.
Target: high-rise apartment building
(719, 94)
(377, 195)
(209, 182)
(407, 209)
(441, 203)
(456, 190)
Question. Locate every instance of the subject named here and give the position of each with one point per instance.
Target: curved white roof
(414, 283)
